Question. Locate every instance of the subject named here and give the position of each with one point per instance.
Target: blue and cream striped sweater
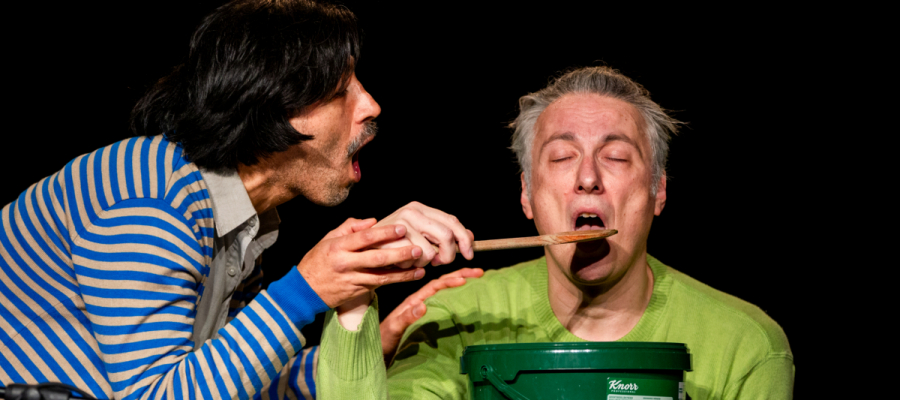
(101, 267)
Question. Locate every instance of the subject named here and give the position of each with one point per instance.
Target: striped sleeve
(297, 379)
(102, 266)
(150, 355)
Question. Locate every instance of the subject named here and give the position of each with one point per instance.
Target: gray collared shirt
(241, 237)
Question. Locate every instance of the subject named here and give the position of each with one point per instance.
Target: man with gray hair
(593, 148)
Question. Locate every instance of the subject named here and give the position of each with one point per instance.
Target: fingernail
(400, 230)
(471, 253)
(419, 310)
(420, 272)
(417, 252)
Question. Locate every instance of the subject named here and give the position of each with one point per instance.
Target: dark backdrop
(448, 76)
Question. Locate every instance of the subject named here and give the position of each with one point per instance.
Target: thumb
(392, 329)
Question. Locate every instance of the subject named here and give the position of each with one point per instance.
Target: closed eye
(560, 159)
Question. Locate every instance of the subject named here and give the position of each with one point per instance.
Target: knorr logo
(618, 385)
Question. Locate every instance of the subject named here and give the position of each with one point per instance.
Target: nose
(588, 180)
(367, 108)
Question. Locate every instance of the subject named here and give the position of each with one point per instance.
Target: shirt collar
(230, 203)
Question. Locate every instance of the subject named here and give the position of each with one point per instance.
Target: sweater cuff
(296, 298)
(351, 355)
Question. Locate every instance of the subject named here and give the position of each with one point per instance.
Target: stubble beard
(333, 191)
(369, 129)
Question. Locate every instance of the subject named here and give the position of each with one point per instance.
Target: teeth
(586, 215)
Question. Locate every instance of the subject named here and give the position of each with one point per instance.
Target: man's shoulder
(131, 177)
(700, 304)
(139, 167)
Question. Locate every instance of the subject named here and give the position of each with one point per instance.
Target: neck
(262, 186)
(601, 313)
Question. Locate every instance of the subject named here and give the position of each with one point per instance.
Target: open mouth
(367, 135)
(589, 221)
(356, 172)
(595, 249)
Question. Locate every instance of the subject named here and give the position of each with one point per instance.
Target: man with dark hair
(132, 272)
(592, 146)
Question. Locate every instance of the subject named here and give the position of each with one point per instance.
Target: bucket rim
(664, 346)
(508, 359)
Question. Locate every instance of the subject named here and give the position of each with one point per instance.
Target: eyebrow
(567, 136)
(622, 138)
(613, 137)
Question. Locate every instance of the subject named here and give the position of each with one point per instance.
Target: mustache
(369, 129)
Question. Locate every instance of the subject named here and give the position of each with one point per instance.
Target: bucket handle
(488, 373)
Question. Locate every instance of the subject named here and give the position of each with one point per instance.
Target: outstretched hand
(437, 233)
(413, 308)
(345, 265)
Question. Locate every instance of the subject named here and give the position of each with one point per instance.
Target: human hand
(413, 308)
(344, 266)
(427, 226)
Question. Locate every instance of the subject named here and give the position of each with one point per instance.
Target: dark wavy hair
(252, 66)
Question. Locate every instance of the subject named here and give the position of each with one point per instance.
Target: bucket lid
(508, 359)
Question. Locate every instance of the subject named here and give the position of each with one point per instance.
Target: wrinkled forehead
(589, 118)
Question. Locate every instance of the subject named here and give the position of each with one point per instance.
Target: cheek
(636, 210)
(549, 210)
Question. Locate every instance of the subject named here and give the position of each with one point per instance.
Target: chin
(337, 197)
(329, 197)
(592, 275)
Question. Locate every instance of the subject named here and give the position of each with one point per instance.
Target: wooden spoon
(543, 240)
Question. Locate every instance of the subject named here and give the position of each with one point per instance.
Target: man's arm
(139, 292)
(426, 365)
(299, 376)
(297, 379)
(139, 276)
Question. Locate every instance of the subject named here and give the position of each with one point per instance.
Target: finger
(453, 279)
(374, 278)
(363, 224)
(435, 286)
(428, 252)
(461, 235)
(370, 237)
(467, 273)
(404, 316)
(397, 244)
(435, 232)
(429, 228)
(344, 229)
(378, 258)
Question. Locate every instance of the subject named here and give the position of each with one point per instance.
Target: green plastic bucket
(589, 370)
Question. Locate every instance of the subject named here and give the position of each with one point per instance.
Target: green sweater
(737, 351)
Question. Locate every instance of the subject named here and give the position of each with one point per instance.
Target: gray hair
(603, 81)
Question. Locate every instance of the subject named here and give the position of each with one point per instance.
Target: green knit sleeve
(773, 378)
(427, 363)
(351, 364)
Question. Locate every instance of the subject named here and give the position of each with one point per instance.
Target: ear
(660, 196)
(526, 203)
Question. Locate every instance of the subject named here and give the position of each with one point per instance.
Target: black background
(739, 215)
